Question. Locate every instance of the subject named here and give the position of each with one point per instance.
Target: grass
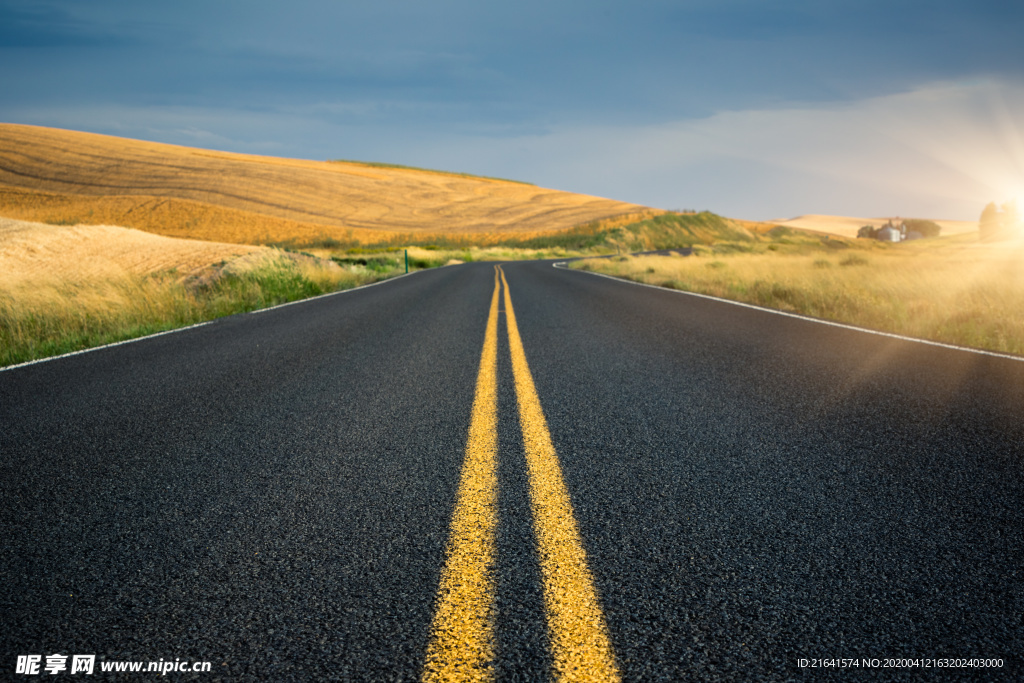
(48, 316)
(376, 264)
(642, 230)
(952, 290)
(66, 287)
(673, 230)
(948, 289)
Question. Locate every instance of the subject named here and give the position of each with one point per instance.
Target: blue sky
(751, 109)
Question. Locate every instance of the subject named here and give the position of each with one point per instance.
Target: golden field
(847, 226)
(67, 178)
(950, 289)
(31, 253)
(64, 288)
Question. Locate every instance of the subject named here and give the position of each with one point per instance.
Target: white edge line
(190, 327)
(105, 346)
(561, 266)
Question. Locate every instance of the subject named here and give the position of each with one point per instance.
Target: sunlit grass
(42, 317)
(952, 290)
(66, 288)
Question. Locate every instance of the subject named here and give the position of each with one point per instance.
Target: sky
(748, 108)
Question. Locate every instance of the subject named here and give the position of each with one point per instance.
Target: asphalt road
(272, 492)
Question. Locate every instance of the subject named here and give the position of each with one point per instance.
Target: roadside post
(407, 261)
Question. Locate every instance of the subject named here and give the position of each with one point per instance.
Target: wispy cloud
(940, 150)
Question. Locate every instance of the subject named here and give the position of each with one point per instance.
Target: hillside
(66, 177)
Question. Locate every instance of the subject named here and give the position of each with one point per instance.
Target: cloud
(46, 26)
(532, 62)
(941, 150)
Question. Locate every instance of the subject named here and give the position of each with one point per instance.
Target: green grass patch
(377, 264)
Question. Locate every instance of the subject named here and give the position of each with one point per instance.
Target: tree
(991, 222)
(926, 228)
(867, 231)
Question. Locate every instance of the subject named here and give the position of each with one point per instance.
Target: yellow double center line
(462, 634)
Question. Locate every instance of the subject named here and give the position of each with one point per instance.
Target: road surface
(360, 487)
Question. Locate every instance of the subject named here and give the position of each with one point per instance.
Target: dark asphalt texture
(272, 492)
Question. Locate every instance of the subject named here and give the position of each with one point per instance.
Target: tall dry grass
(57, 317)
(66, 289)
(951, 290)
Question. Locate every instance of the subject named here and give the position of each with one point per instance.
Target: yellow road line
(462, 633)
(580, 644)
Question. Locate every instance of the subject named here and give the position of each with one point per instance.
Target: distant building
(892, 232)
(899, 230)
(889, 233)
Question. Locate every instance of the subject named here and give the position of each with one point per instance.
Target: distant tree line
(996, 224)
(867, 231)
(926, 228)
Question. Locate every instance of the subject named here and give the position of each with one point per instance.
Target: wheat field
(65, 288)
(951, 289)
(34, 252)
(67, 177)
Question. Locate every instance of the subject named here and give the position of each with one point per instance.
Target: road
(280, 493)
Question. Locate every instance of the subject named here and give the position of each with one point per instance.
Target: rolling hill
(34, 253)
(66, 178)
